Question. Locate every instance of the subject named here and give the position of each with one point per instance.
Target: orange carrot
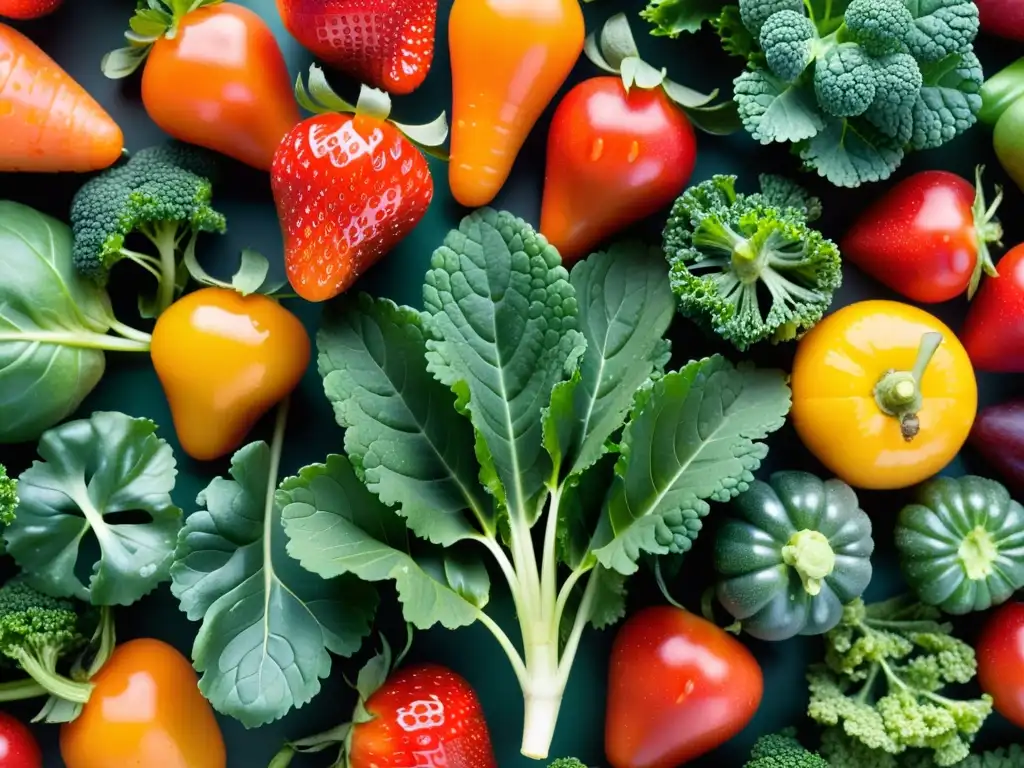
(509, 58)
(48, 122)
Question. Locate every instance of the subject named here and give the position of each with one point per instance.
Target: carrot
(48, 122)
(508, 58)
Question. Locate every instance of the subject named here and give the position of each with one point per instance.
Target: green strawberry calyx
(318, 97)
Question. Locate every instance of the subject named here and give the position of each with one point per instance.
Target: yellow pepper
(224, 360)
(884, 394)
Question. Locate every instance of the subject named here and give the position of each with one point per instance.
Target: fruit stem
(977, 553)
(809, 553)
(987, 229)
(898, 393)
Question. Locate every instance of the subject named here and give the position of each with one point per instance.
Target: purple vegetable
(998, 435)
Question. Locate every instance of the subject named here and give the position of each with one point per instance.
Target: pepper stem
(898, 393)
(977, 553)
(811, 556)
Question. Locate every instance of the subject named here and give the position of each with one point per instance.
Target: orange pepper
(508, 60)
(145, 710)
(884, 394)
(224, 360)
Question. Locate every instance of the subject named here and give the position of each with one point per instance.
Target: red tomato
(1002, 17)
(925, 239)
(678, 687)
(613, 158)
(18, 747)
(1000, 650)
(993, 332)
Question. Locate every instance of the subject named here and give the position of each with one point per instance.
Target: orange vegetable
(216, 78)
(145, 710)
(224, 360)
(48, 122)
(508, 59)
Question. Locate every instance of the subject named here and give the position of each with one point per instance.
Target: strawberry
(387, 44)
(421, 716)
(348, 187)
(28, 9)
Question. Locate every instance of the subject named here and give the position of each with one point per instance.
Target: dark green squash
(793, 552)
(961, 544)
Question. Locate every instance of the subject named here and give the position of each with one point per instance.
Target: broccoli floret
(38, 631)
(884, 668)
(754, 13)
(787, 39)
(8, 496)
(161, 193)
(879, 26)
(567, 762)
(732, 253)
(782, 750)
(844, 81)
(898, 85)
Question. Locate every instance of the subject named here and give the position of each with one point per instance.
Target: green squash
(961, 545)
(793, 552)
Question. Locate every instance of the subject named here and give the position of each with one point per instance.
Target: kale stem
(566, 592)
(78, 340)
(506, 645)
(549, 561)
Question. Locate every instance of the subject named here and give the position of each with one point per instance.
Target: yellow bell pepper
(884, 394)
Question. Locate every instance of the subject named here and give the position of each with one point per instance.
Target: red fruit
(18, 747)
(424, 715)
(613, 158)
(1002, 17)
(388, 44)
(993, 332)
(348, 188)
(678, 687)
(927, 237)
(1000, 651)
(28, 9)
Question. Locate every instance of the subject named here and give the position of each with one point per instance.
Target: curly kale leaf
(898, 84)
(949, 101)
(941, 28)
(773, 110)
(851, 152)
(692, 437)
(673, 17)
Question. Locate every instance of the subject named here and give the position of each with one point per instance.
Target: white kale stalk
(545, 369)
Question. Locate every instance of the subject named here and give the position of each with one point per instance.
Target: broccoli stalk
(162, 193)
(731, 253)
(884, 669)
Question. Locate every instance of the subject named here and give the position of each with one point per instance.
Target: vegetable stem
(898, 393)
(987, 229)
(128, 332)
(165, 240)
(58, 685)
(549, 563)
(506, 645)
(78, 339)
(978, 553)
(18, 690)
(809, 553)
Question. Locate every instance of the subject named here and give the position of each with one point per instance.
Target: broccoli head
(162, 193)
(38, 631)
(567, 762)
(787, 39)
(8, 497)
(844, 81)
(748, 267)
(782, 750)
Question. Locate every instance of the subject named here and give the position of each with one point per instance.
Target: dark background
(79, 34)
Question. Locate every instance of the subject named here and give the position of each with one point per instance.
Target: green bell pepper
(1002, 106)
(792, 553)
(961, 546)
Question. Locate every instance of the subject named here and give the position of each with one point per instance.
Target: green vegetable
(232, 573)
(731, 252)
(782, 750)
(162, 193)
(53, 326)
(108, 464)
(855, 85)
(493, 411)
(1002, 106)
(37, 632)
(793, 553)
(672, 17)
(567, 762)
(8, 497)
(961, 544)
(885, 666)
(841, 751)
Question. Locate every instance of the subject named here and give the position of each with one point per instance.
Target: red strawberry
(388, 44)
(348, 188)
(423, 716)
(28, 9)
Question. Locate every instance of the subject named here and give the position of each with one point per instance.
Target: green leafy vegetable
(53, 326)
(8, 497)
(782, 750)
(855, 85)
(537, 370)
(730, 253)
(673, 17)
(884, 669)
(267, 623)
(842, 751)
(108, 464)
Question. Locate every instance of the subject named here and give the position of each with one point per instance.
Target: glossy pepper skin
(961, 544)
(529, 47)
(224, 360)
(613, 158)
(993, 331)
(222, 83)
(146, 710)
(1002, 107)
(1000, 649)
(859, 406)
(998, 435)
(793, 552)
